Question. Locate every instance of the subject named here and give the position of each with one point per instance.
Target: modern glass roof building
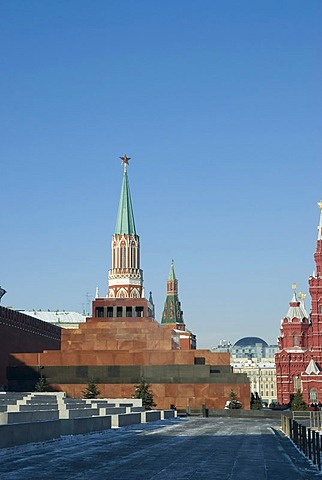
(253, 348)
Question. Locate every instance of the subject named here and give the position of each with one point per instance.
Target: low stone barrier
(166, 414)
(78, 413)
(74, 406)
(100, 404)
(241, 413)
(150, 416)
(112, 410)
(19, 434)
(123, 402)
(42, 401)
(125, 419)
(49, 395)
(76, 426)
(39, 406)
(8, 401)
(28, 417)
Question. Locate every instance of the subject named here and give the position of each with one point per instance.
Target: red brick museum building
(299, 361)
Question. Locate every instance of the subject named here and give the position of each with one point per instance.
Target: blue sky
(218, 104)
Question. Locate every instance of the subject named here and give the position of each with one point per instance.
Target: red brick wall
(21, 333)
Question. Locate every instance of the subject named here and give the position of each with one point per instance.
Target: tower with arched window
(125, 293)
(125, 278)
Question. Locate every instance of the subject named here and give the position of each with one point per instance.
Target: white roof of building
(297, 311)
(312, 368)
(56, 317)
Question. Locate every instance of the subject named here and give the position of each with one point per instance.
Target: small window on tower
(123, 257)
(119, 311)
(110, 311)
(295, 340)
(133, 255)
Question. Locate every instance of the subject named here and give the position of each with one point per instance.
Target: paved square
(181, 449)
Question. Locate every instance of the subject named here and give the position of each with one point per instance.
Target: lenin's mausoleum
(122, 343)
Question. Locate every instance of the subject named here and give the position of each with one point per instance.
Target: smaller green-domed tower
(172, 313)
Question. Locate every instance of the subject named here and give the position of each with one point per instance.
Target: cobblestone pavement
(181, 449)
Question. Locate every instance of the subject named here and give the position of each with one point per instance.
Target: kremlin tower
(172, 313)
(172, 316)
(125, 296)
(299, 361)
(125, 277)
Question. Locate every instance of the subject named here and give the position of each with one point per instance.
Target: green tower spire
(125, 217)
(172, 275)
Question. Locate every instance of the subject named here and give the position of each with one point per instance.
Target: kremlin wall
(22, 333)
(122, 342)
